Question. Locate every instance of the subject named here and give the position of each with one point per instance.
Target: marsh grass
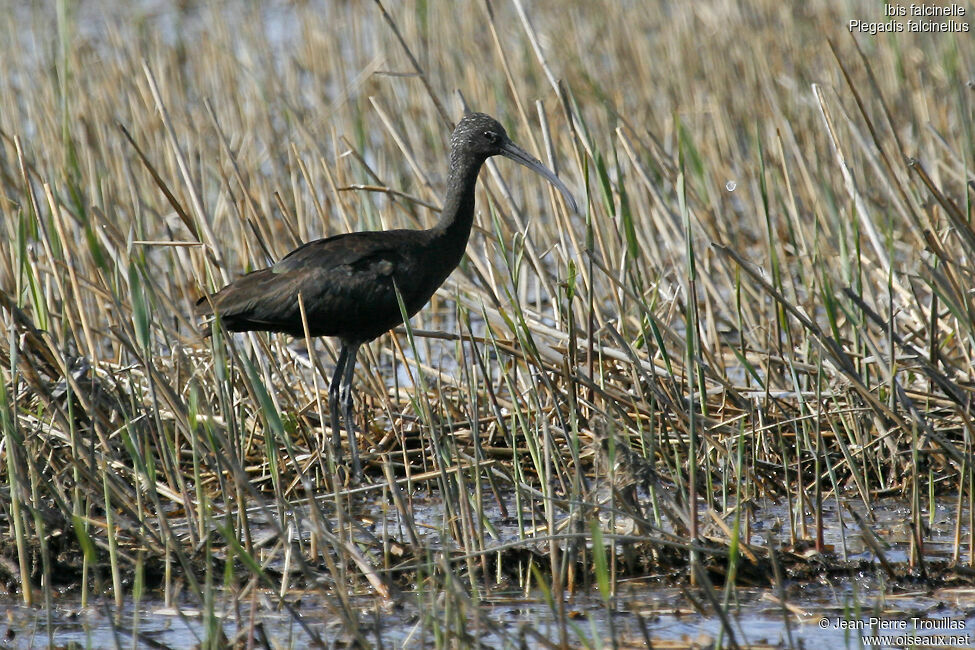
(765, 298)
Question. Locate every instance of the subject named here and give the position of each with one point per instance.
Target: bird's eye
(491, 137)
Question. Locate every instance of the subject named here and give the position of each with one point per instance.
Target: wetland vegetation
(741, 374)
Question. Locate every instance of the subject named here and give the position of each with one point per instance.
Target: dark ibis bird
(349, 283)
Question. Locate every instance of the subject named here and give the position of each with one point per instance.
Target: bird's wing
(334, 276)
(356, 250)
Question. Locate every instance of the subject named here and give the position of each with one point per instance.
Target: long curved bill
(510, 150)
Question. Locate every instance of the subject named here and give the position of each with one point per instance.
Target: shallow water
(840, 611)
(820, 614)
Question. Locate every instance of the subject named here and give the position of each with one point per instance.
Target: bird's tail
(204, 311)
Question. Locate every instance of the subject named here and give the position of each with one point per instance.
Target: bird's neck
(454, 227)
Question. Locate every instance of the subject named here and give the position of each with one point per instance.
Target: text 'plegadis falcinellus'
(348, 283)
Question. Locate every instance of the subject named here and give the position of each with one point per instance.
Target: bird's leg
(333, 402)
(346, 398)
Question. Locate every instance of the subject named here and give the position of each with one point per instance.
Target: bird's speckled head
(477, 135)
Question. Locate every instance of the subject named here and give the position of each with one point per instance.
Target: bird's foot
(347, 477)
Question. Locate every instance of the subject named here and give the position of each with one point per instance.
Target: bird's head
(480, 136)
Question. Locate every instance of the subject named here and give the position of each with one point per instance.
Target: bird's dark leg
(333, 401)
(346, 397)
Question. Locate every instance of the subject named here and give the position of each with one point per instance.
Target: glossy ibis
(348, 283)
